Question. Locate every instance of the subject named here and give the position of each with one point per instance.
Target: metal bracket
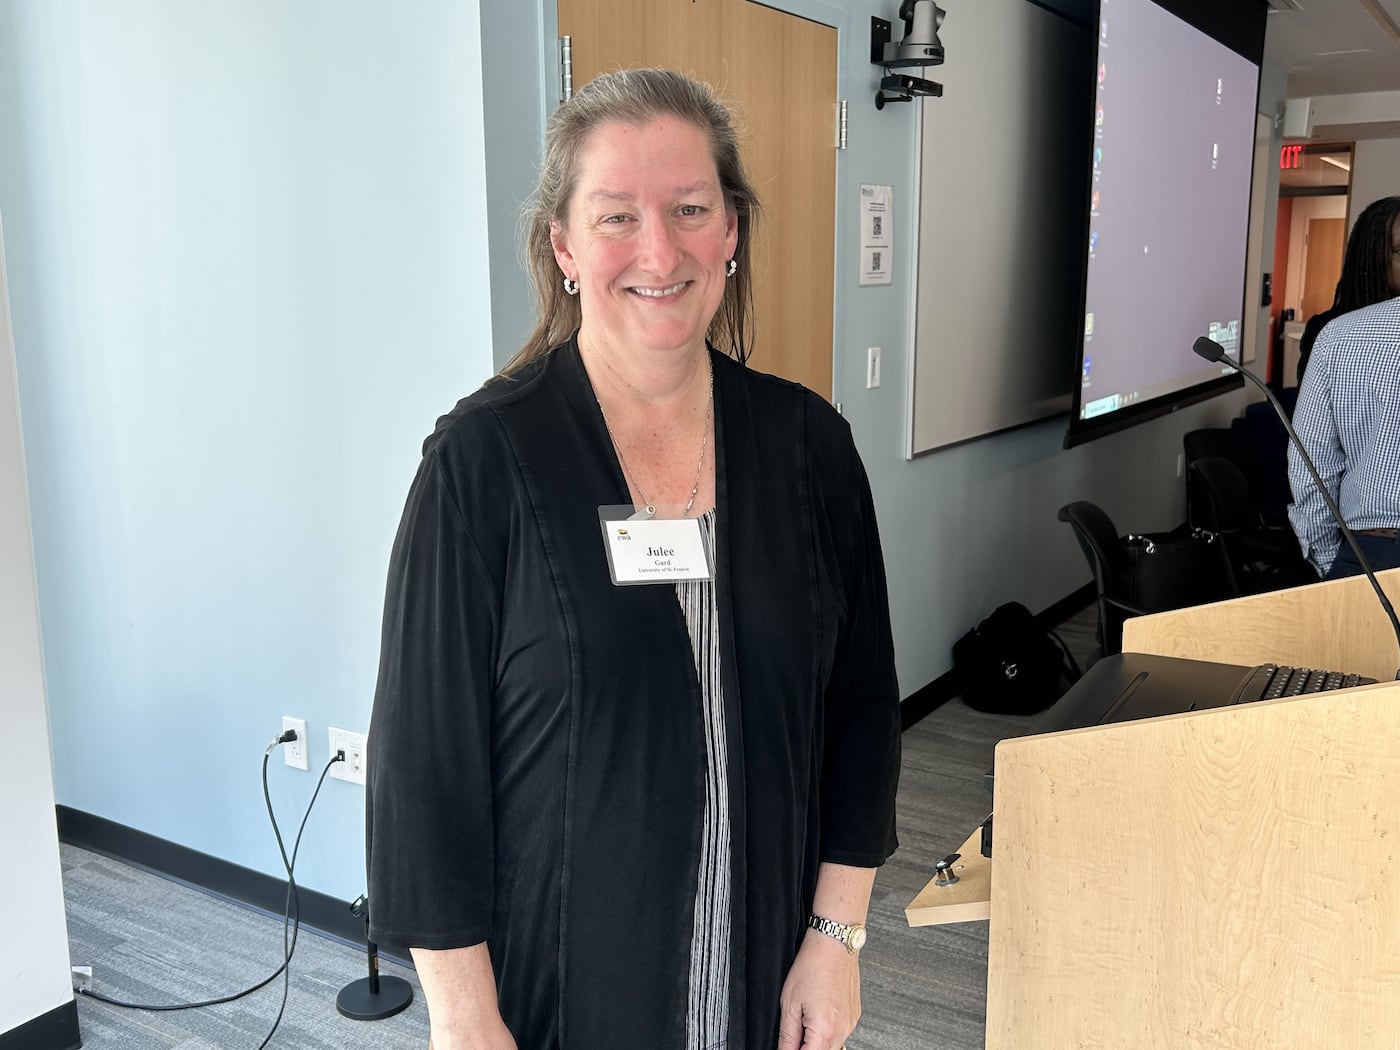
(566, 68)
(943, 874)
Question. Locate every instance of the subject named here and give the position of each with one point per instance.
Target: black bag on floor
(1009, 664)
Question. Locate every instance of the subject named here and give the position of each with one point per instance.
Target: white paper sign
(875, 266)
(876, 234)
(875, 216)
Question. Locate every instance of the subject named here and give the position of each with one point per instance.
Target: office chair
(1193, 569)
(1099, 541)
(1261, 557)
(1214, 442)
(1266, 443)
(1258, 446)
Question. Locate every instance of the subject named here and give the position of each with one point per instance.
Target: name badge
(653, 550)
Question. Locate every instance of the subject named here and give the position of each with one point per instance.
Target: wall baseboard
(263, 893)
(320, 912)
(55, 1030)
(924, 701)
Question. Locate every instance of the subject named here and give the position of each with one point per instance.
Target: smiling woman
(647, 239)
(629, 786)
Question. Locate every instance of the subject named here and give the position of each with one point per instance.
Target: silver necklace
(648, 506)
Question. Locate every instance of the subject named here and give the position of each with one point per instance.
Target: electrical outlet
(296, 753)
(1180, 463)
(353, 744)
(872, 368)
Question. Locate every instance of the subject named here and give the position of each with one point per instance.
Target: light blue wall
(247, 250)
(255, 248)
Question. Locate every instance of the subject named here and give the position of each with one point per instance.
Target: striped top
(1348, 417)
(707, 1013)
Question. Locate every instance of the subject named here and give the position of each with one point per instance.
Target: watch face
(856, 938)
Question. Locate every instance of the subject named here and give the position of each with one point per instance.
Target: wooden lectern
(1226, 878)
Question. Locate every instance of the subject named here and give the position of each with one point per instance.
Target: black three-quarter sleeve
(429, 829)
(861, 735)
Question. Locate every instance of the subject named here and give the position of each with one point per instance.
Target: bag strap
(1068, 664)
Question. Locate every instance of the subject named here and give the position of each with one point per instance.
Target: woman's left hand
(821, 996)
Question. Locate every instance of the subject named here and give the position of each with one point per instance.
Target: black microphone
(1213, 351)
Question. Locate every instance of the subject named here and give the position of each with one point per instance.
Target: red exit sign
(1290, 157)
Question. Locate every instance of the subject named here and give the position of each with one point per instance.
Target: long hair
(631, 97)
(1366, 265)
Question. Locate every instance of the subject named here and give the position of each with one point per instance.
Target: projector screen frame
(1240, 28)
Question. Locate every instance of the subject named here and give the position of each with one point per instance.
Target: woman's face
(647, 237)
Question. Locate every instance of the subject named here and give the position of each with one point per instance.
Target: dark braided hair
(1366, 266)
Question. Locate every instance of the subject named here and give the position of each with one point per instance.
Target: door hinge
(566, 68)
(841, 124)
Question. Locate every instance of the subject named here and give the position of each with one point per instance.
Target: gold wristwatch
(852, 935)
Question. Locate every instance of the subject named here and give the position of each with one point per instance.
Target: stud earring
(570, 287)
(732, 269)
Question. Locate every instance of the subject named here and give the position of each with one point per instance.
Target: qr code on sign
(877, 225)
(876, 262)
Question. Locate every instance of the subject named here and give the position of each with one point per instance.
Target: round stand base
(358, 1003)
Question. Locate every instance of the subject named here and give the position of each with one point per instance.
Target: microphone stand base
(359, 1003)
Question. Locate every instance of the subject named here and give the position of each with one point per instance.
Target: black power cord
(293, 898)
(291, 914)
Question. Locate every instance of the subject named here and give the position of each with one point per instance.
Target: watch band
(851, 935)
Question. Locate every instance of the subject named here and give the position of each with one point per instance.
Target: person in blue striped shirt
(1348, 418)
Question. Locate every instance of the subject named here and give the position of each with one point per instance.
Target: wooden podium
(1226, 878)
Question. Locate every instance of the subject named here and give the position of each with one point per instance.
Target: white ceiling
(1336, 47)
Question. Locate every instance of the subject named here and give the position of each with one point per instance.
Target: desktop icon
(1098, 118)
(1093, 240)
(1089, 324)
(1094, 201)
(1098, 156)
(1103, 73)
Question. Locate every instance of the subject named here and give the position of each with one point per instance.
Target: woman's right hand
(460, 989)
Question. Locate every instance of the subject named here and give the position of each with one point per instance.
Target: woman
(614, 815)
(1370, 273)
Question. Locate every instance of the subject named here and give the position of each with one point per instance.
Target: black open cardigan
(536, 754)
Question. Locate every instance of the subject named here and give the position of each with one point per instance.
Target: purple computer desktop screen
(1173, 144)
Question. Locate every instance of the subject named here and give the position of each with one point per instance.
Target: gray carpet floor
(152, 940)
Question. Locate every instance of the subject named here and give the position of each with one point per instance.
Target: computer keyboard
(1274, 681)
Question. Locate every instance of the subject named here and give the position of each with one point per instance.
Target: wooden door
(778, 72)
(1322, 265)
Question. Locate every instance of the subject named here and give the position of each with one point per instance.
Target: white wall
(1375, 173)
(34, 976)
(248, 270)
